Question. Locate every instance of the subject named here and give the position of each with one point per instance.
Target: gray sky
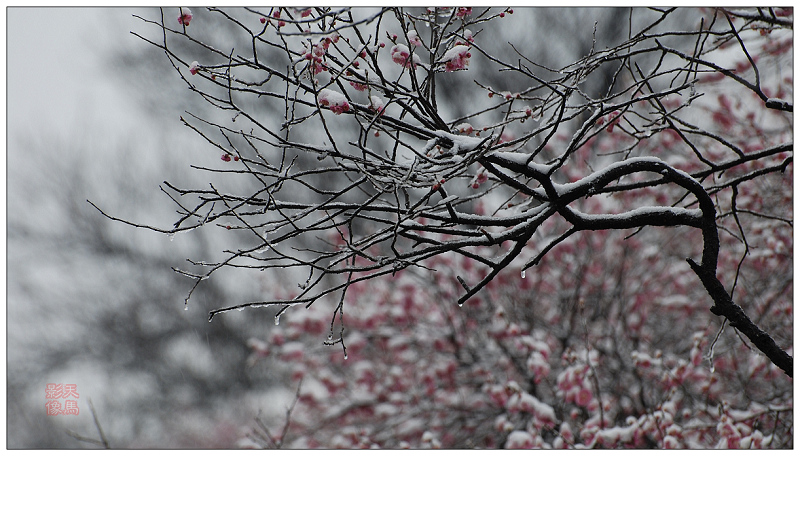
(57, 70)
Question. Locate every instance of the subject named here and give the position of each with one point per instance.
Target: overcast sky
(58, 73)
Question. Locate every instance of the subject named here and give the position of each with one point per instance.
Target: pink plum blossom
(317, 55)
(457, 58)
(185, 17)
(584, 397)
(277, 15)
(465, 128)
(194, 67)
(463, 11)
(334, 101)
(520, 440)
(413, 38)
(293, 351)
(402, 56)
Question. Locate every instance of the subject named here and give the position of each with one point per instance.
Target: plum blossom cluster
(413, 38)
(502, 381)
(318, 52)
(457, 58)
(334, 101)
(403, 56)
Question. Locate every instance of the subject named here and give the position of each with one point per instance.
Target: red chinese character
(71, 390)
(53, 407)
(70, 407)
(53, 391)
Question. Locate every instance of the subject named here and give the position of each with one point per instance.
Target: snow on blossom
(430, 441)
(293, 351)
(502, 424)
(402, 56)
(185, 17)
(642, 359)
(464, 128)
(376, 104)
(413, 38)
(612, 436)
(457, 58)
(670, 442)
(259, 349)
(334, 101)
(537, 363)
(754, 441)
(194, 67)
(463, 11)
(520, 440)
(525, 402)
